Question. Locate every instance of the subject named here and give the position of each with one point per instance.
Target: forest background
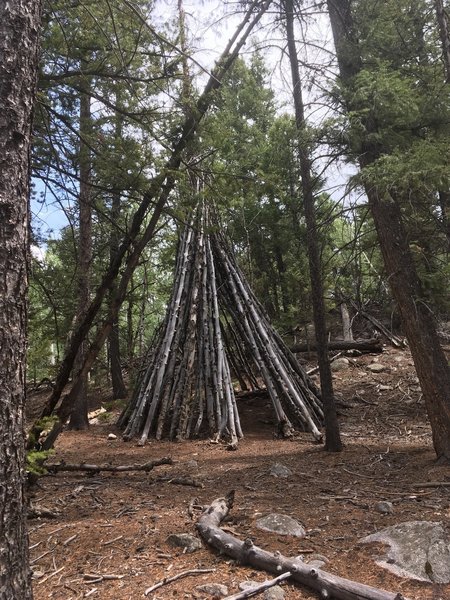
(138, 81)
(121, 126)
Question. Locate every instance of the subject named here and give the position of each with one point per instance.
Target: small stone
(340, 364)
(279, 470)
(37, 574)
(192, 464)
(274, 593)
(384, 507)
(216, 590)
(247, 585)
(281, 524)
(317, 560)
(376, 368)
(185, 540)
(112, 436)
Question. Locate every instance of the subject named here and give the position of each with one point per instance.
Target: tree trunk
(333, 440)
(346, 322)
(79, 417)
(418, 323)
(115, 364)
(19, 37)
(444, 34)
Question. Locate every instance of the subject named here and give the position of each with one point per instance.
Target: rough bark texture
(19, 36)
(333, 441)
(418, 322)
(328, 585)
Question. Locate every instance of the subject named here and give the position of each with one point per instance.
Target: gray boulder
(418, 550)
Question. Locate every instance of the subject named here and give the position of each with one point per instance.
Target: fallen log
(328, 585)
(372, 345)
(62, 466)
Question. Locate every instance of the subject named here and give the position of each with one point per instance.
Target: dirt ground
(118, 524)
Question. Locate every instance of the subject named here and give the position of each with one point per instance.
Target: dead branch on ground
(328, 585)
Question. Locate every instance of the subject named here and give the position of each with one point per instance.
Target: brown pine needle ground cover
(109, 538)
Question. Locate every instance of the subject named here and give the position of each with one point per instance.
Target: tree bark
(418, 322)
(19, 41)
(333, 441)
(79, 417)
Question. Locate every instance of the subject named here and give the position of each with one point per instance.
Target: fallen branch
(188, 481)
(258, 589)
(167, 580)
(328, 585)
(432, 484)
(62, 466)
(372, 345)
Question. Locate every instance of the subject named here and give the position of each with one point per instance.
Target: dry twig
(167, 580)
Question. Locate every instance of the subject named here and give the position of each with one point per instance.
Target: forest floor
(118, 524)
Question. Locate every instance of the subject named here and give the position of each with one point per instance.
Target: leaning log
(328, 585)
(372, 345)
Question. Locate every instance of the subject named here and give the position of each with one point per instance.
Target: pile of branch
(328, 585)
(187, 384)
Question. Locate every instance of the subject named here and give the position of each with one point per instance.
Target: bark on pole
(418, 322)
(19, 40)
(156, 195)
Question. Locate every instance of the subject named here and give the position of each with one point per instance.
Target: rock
(418, 550)
(247, 585)
(112, 436)
(281, 524)
(317, 560)
(376, 368)
(192, 464)
(274, 593)
(340, 364)
(279, 470)
(216, 590)
(185, 540)
(384, 507)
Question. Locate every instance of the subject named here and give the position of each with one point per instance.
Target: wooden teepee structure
(186, 386)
